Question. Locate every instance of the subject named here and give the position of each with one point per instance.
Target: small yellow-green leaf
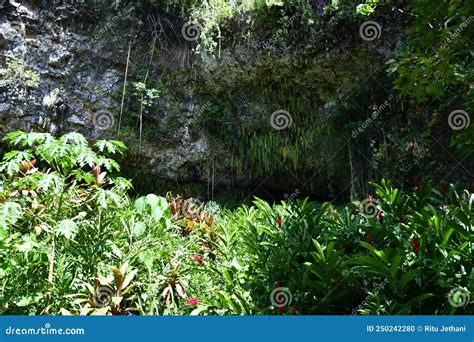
(101, 312)
(118, 277)
(117, 300)
(129, 278)
(65, 312)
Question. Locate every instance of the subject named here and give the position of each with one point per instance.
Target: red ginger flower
(198, 258)
(282, 310)
(281, 306)
(416, 245)
(192, 301)
(280, 221)
(369, 238)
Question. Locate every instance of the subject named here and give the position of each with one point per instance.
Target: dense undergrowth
(73, 242)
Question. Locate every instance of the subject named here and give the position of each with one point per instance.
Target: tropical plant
(65, 218)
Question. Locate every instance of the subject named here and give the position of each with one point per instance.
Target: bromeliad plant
(109, 296)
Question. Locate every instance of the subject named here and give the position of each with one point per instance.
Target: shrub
(66, 220)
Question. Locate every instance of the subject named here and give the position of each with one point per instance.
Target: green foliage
(439, 58)
(17, 74)
(368, 7)
(64, 222)
(145, 94)
(18, 78)
(53, 204)
(434, 68)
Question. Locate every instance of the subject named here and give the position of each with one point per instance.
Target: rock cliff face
(62, 70)
(77, 75)
(63, 67)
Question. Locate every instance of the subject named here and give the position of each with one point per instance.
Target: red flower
(281, 306)
(293, 310)
(280, 221)
(192, 301)
(282, 310)
(416, 245)
(198, 258)
(369, 238)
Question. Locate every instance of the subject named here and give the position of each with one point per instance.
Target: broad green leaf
(10, 213)
(66, 228)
